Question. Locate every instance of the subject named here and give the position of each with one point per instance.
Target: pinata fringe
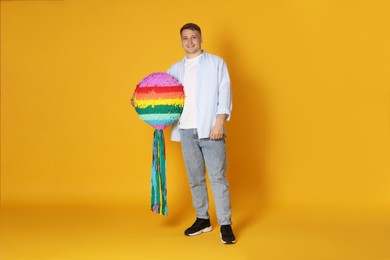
(158, 182)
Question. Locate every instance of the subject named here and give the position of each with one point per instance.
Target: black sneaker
(227, 235)
(199, 226)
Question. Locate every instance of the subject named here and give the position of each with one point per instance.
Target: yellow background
(309, 134)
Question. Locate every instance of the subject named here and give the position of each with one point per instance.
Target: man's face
(191, 41)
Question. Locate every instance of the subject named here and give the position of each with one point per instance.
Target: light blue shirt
(213, 93)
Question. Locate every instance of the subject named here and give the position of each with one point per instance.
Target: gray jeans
(198, 152)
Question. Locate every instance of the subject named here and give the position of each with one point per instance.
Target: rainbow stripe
(159, 100)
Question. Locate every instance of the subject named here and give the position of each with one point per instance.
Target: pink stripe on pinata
(160, 127)
(159, 79)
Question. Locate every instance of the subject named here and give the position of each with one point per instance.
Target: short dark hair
(191, 26)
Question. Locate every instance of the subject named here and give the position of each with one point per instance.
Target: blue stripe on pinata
(159, 116)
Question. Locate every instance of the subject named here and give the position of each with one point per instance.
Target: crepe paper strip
(159, 186)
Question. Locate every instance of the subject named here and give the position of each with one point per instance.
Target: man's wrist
(221, 118)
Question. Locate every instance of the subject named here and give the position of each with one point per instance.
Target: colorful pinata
(159, 100)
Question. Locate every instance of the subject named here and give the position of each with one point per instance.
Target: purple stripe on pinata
(159, 79)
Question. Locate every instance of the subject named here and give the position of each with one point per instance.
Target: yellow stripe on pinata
(155, 102)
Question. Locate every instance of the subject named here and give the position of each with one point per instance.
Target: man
(201, 130)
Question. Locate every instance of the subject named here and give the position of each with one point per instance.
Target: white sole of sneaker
(205, 230)
(224, 242)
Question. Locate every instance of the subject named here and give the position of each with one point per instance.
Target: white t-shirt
(188, 116)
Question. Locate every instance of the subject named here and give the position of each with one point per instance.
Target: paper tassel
(158, 182)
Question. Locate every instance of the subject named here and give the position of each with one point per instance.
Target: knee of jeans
(197, 182)
(218, 179)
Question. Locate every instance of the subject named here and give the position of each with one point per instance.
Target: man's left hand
(218, 130)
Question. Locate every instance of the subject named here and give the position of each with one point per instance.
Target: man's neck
(194, 55)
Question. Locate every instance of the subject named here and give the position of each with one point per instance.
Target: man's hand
(218, 130)
(132, 101)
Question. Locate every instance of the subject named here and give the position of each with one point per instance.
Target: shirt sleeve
(224, 91)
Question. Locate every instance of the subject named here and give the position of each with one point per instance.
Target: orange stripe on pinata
(153, 95)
